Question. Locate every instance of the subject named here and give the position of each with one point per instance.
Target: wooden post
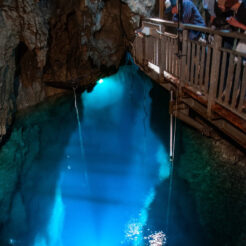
(161, 8)
(162, 54)
(214, 73)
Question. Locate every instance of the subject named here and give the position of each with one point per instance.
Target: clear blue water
(113, 192)
(123, 162)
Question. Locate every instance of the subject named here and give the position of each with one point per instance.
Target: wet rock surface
(54, 43)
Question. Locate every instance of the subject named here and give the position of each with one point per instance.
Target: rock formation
(54, 43)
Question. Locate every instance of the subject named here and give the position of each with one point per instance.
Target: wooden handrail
(163, 22)
(223, 33)
(233, 52)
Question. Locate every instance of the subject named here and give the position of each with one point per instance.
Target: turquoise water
(112, 192)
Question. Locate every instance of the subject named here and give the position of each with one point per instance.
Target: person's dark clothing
(221, 23)
(207, 17)
(220, 19)
(241, 13)
(191, 15)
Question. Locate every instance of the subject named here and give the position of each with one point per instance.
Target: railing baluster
(170, 55)
(183, 65)
(202, 64)
(198, 64)
(228, 89)
(207, 70)
(144, 49)
(236, 89)
(136, 44)
(188, 63)
(166, 57)
(242, 100)
(222, 76)
(174, 56)
(155, 51)
(177, 60)
(160, 57)
(149, 49)
(193, 58)
(214, 74)
(157, 43)
(164, 43)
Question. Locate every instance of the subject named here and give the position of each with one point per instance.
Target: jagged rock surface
(57, 42)
(21, 21)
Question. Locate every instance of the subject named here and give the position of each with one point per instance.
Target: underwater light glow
(164, 165)
(100, 81)
(104, 94)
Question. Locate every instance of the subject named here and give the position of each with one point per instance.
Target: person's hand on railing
(234, 22)
(139, 34)
(211, 39)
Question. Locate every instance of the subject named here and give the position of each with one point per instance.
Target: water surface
(113, 192)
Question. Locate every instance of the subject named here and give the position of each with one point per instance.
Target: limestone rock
(49, 43)
(19, 21)
(144, 7)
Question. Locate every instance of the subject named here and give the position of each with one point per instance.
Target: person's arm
(212, 19)
(187, 11)
(234, 22)
(211, 8)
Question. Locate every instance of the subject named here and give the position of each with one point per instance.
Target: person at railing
(191, 15)
(239, 18)
(222, 10)
(168, 9)
(208, 6)
(239, 21)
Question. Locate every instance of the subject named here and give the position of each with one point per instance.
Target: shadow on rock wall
(25, 176)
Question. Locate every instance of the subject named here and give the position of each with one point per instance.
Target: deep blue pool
(111, 192)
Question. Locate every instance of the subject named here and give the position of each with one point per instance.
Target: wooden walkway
(208, 79)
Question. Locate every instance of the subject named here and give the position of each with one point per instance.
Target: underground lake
(96, 172)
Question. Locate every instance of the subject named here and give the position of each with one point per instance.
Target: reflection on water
(47, 202)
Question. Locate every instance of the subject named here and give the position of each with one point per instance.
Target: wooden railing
(214, 73)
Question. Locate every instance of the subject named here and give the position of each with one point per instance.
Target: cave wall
(20, 21)
(52, 43)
